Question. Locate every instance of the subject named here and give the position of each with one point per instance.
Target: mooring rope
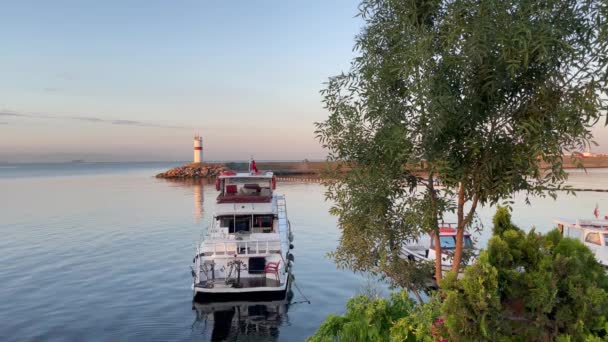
(306, 300)
(301, 294)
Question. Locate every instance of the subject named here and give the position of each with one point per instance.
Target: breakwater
(194, 170)
(312, 170)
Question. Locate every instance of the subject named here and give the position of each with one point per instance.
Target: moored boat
(593, 233)
(245, 254)
(424, 249)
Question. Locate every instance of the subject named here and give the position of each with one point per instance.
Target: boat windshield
(449, 242)
(247, 223)
(605, 239)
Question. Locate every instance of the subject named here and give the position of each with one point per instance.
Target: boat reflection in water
(238, 321)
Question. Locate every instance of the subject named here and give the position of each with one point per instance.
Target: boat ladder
(284, 226)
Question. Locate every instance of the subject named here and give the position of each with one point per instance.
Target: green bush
(523, 287)
(368, 319)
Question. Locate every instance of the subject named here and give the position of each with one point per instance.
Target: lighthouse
(198, 148)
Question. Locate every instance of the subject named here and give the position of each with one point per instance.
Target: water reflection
(198, 202)
(197, 186)
(238, 321)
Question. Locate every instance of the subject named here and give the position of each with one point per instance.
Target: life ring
(274, 182)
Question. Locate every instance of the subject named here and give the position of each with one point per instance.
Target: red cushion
(231, 189)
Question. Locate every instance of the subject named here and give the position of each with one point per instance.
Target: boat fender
(290, 246)
(290, 257)
(217, 183)
(274, 182)
(411, 257)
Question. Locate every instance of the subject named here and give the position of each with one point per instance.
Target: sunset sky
(111, 80)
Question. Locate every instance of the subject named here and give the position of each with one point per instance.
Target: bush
(523, 287)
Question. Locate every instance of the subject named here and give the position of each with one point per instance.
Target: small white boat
(424, 249)
(592, 233)
(245, 254)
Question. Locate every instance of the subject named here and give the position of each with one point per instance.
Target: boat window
(605, 239)
(227, 222)
(262, 223)
(236, 224)
(242, 224)
(593, 238)
(449, 242)
(468, 243)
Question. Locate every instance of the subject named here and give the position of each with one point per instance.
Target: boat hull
(265, 294)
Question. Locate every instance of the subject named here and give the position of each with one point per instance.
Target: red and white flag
(596, 211)
(254, 168)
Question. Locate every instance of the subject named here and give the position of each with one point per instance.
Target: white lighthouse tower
(198, 148)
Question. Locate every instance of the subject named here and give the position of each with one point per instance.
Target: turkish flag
(596, 211)
(254, 167)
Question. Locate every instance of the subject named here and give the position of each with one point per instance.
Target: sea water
(101, 252)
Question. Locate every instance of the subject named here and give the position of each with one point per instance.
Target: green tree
(524, 287)
(474, 93)
(528, 287)
(502, 221)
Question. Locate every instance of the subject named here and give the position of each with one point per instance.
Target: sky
(135, 80)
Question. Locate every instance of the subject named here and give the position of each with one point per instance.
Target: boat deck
(247, 282)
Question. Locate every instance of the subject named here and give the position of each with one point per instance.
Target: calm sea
(101, 252)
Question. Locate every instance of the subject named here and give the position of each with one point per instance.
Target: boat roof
(582, 223)
(259, 174)
(446, 229)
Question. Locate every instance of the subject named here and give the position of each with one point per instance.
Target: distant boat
(245, 255)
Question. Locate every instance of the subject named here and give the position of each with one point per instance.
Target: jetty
(194, 170)
(285, 171)
(312, 170)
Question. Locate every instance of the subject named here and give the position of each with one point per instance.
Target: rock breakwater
(195, 170)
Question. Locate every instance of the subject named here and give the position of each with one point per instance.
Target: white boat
(245, 254)
(424, 249)
(592, 233)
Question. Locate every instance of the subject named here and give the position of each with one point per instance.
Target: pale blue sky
(246, 74)
(134, 80)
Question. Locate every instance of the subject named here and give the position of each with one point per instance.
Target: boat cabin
(447, 240)
(245, 187)
(592, 233)
(425, 248)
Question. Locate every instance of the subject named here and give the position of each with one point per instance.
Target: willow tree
(475, 93)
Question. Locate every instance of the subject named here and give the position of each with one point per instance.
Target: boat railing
(597, 223)
(241, 247)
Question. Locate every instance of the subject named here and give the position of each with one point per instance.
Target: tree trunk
(438, 271)
(459, 230)
(463, 222)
